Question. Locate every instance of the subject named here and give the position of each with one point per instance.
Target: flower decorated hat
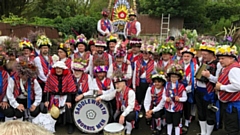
(208, 45)
(118, 76)
(25, 44)
(227, 50)
(132, 13)
(120, 53)
(112, 38)
(66, 48)
(159, 74)
(167, 48)
(188, 49)
(25, 67)
(100, 43)
(180, 43)
(91, 41)
(81, 39)
(100, 65)
(43, 41)
(135, 42)
(79, 64)
(176, 69)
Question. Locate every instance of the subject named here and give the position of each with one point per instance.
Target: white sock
(193, 110)
(128, 127)
(177, 131)
(158, 123)
(169, 129)
(203, 125)
(8, 119)
(164, 122)
(209, 129)
(186, 123)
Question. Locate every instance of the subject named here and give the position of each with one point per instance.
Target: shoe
(70, 129)
(156, 132)
(184, 130)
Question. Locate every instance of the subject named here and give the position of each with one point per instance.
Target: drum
(90, 116)
(114, 129)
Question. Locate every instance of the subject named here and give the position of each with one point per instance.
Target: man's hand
(69, 105)
(98, 99)
(99, 92)
(206, 73)
(218, 86)
(168, 99)
(4, 105)
(149, 114)
(32, 108)
(21, 107)
(79, 97)
(176, 98)
(121, 119)
(46, 104)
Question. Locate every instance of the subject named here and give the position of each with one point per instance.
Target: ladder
(165, 22)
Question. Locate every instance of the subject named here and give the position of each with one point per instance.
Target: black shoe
(156, 132)
(184, 130)
(70, 129)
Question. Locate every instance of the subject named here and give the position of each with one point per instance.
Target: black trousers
(11, 112)
(204, 114)
(231, 121)
(173, 118)
(141, 92)
(130, 117)
(187, 110)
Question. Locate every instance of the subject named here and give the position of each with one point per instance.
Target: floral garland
(25, 43)
(227, 50)
(43, 40)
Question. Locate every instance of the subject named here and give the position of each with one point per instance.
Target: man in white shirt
(24, 92)
(126, 101)
(104, 26)
(133, 27)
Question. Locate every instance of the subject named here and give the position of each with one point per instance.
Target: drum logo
(90, 116)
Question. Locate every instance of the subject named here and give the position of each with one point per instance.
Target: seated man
(24, 92)
(125, 101)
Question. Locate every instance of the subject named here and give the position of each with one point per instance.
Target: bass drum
(90, 116)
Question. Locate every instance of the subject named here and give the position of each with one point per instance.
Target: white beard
(118, 90)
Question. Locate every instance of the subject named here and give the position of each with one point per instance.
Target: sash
(1, 83)
(29, 93)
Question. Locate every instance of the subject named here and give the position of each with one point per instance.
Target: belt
(143, 80)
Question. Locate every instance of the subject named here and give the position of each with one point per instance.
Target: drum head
(90, 116)
(113, 128)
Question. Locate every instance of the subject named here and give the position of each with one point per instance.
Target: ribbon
(107, 25)
(217, 114)
(1, 83)
(29, 93)
(48, 64)
(190, 95)
(210, 97)
(173, 94)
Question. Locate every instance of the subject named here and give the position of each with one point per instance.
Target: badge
(123, 108)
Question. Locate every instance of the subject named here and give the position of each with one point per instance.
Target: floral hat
(105, 12)
(79, 64)
(33, 36)
(91, 41)
(132, 13)
(227, 50)
(167, 48)
(120, 53)
(208, 45)
(180, 43)
(135, 42)
(98, 69)
(25, 44)
(159, 74)
(27, 68)
(188, 49)
(100, 43)
(118, 76)
(66, 48)
(175, 69)
(81, 39)
(112, 38)
(43, 41)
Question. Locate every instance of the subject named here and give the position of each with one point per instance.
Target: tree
(12, 6)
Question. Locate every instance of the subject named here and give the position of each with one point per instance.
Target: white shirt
(181, 99)
(37, 62)
(12, 100)
(188, 78)
(95, 86)
(148, 100)
(90, 86)
(131, 100)
(138, 27)
(106, 31)
(128, 75)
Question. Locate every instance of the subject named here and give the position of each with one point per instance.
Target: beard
(100, 52)
(186, 61)
(118, 90)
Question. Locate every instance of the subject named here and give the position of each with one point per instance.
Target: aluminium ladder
(165, 22)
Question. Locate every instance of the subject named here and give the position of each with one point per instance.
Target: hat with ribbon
(111, 38)
(66, 48)
(132, 13)
(43, 41)
(81, 39)
(227, 50)
(159, 74)
(188, 49)
(98, 69)
(118, 76)
(135, 42)
(120, 53)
